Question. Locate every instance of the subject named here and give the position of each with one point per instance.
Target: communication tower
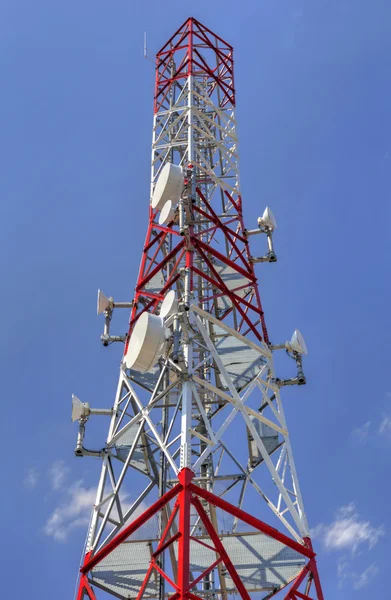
(198, 496)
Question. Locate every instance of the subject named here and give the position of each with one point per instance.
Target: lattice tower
(198, 495)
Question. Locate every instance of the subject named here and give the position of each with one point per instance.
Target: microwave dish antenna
(167, 213)
(169, 186)
(169, 305)
(145, 343)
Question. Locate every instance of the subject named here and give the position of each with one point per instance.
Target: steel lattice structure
(198, 495)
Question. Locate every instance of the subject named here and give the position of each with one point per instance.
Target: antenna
(106, 305)
(146, 343)
(169, 186)
(297, 343)
(266, 224)
(80, 410)
(145, 48)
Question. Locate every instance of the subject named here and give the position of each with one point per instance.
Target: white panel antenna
(268, 219)
(103, 303)
(297, 343)
(79, 409)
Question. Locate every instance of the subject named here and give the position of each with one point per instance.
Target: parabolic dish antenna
(168, 186)
(268, 219)
(167, 213)
(169, 305)
(297, 343)
(146, 343)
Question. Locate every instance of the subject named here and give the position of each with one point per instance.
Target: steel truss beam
(280, 466)
(187, 494)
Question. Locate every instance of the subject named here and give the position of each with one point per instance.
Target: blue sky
(313, 95)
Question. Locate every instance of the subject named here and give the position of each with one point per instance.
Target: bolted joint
(285, 382)
(105, 340)
(272, 257)
(269, 257)
(109, 339)
(299, 380)
(80, 437)
(248, 232)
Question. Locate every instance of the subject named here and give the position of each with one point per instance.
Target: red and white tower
(198, 495)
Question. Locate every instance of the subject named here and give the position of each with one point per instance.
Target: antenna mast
(198, 496)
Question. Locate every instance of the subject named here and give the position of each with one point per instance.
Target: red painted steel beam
(165, 576)
(131, 528)
(232, 294)
(184, 498)
(157, 551)
(145, 581)
(206, 29)
(314, 570)
(187, 39)
(206, 572)
(251, 520)
(158, 267)
(85, 588)
(202, 543)
(179, 30)
(235, 301)
(193, 597)
(220, 549)
(248, 274)
(168, 543)
(303, 596)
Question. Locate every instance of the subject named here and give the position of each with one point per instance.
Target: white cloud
(343, 571)
(361, 433)
(346, 510)
(317, 531)
(385, 426)
(365, 577)
(31, 479)
(348, 531)
(73, 512)
(58, 473)
(358, 580)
